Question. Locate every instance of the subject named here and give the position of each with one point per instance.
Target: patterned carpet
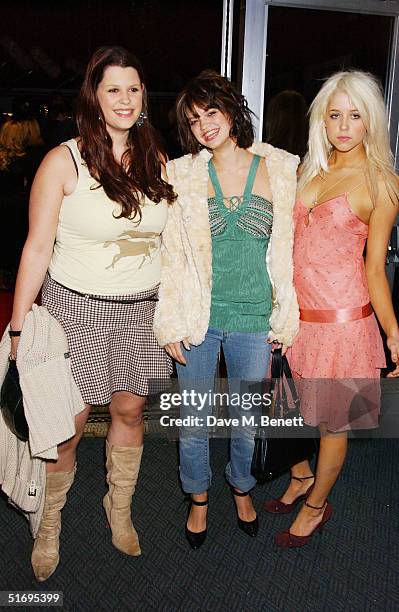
(352, 566)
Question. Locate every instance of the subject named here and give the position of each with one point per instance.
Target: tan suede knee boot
(45, 553)
(123, 465)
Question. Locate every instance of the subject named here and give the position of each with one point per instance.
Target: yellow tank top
(96, 253)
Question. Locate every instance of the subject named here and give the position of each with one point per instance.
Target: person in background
(21, 151)
(60, 124)
(347, 195)
(234, 209)
(287, 122)
(98, 206)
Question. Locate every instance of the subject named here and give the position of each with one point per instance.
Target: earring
(141, 118)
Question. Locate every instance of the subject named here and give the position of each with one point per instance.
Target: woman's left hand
(393, 345)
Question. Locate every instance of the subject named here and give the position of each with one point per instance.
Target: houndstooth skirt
(111, 344)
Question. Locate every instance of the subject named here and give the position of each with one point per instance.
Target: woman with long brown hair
(98, 206)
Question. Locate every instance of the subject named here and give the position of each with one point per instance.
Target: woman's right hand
(174, 350)
(393, 345)
(14, 347)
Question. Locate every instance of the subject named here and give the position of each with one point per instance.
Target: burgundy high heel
(276, 506)
(286, 539)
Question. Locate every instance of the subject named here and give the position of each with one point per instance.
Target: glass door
(295, 44)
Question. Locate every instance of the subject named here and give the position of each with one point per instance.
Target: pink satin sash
(341, 315)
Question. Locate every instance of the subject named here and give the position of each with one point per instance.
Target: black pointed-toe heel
(248, 527)
(195, 540)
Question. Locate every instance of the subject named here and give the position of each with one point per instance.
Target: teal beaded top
(240, 227)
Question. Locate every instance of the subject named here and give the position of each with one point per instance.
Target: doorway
(295, 44)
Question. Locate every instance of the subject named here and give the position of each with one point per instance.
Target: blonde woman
(16, 136)
(348, 193)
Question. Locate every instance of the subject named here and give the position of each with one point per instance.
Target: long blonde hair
(365, 93)
(15, 137)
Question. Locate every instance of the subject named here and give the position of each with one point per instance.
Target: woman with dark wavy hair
(98, 207)
(234, 209)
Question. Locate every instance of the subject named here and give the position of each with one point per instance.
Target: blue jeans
(247, 357)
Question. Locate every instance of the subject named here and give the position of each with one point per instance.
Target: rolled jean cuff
(194, 486)
(242, 484)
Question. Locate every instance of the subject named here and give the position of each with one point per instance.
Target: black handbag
(273, 456)
(11, 402)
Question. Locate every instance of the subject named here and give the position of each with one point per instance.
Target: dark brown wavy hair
(211, 90)
(140, 172)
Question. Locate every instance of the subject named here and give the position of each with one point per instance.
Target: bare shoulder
(55, 176)
(57, 158)
(386, 209)
(58, 168)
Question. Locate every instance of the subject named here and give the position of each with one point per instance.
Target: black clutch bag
(275, 455)
(12, 405)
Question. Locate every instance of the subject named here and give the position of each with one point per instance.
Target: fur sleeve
(169, 320)
(284, 321)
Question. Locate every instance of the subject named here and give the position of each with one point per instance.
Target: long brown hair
(211, 90)
(140, 173)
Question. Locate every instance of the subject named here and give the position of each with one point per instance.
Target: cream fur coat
(183, 309)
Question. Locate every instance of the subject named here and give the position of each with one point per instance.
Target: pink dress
(329, 274)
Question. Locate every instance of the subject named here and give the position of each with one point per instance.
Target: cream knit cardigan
(183, 309)
(51, 402)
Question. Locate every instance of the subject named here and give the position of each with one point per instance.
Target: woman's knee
(127, 408)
